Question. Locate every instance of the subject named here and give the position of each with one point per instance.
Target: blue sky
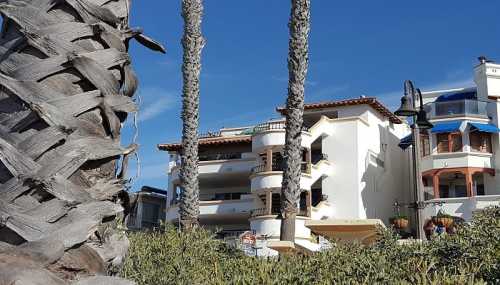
(356, 48)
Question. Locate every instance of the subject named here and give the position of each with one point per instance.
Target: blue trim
(470, 95)
(446, 127)
(487, 128)
(406, 142)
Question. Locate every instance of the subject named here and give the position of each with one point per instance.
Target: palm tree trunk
(66, 87)
(192, 42)
(297, 69)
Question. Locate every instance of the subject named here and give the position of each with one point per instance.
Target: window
(227, 196)
(480, 190)
(460, 191)
(425, 150)
(480, 142)
(449, 142)
(150, 213)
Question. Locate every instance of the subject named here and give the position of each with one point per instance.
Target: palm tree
(66, 87)
(193, 43)
(297, 70)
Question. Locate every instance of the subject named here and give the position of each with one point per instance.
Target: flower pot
(443, 221)
(400, 223)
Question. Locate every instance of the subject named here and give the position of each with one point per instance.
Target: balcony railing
(258, 212)
(458, 108)
(278, 167)
(272, 126)
(209, 135)
(220, 156)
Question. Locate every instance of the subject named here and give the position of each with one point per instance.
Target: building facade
(149, 209)
(352, 168)
(460, 154)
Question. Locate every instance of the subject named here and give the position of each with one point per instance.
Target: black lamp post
(409, 109)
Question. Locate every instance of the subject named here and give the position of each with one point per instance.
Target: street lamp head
(422, 121)
(406, 109)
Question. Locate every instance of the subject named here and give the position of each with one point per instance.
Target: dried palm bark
(297, 69)
(192, 42)
(66, 86)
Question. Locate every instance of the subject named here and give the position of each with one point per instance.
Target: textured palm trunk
(66, 87)
(297, 69)
(192, 42)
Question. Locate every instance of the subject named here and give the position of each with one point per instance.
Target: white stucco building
(352, 169)
(461, 153)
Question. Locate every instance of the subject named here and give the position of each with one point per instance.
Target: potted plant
(442, 219)
(399, 221)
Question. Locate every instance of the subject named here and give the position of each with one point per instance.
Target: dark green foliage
(471, 256)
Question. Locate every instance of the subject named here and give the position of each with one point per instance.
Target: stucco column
(269, 196)
(468, 182)
(435, 180)
(269, 159)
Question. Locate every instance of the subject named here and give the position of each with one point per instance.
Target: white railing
(463, 207)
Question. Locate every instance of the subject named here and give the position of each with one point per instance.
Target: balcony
(227, 164)
(234, 209)
(458, 108)
(273, 134)
(457, 160)
(269, 177)
(462, 207)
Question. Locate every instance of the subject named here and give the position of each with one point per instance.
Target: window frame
(483, 137)
(450, 142)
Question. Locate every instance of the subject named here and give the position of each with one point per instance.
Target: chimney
(487, 78)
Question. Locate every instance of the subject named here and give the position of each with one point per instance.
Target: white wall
(342, 187)
(381, 186)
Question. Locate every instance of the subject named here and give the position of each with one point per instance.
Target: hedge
(471, 256)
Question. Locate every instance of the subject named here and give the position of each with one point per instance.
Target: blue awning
(470, 95)
(487, 128)
(406, 142)
(446, 127)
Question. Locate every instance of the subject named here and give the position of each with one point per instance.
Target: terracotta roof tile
(373, 102)
(209, 141)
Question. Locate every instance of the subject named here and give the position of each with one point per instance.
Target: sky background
(356, 48)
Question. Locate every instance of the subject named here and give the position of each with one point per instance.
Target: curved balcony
(269, 226)
(457, 160)
(228, 209)
(273, 134)
(209, 168)
(264, 178)
(457, 108)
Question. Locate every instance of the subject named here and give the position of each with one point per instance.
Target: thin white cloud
(285, 79)
(154, 101)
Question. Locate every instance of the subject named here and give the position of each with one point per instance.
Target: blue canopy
(446, 127)
(469, 95)
(487, 128)
(406, 142)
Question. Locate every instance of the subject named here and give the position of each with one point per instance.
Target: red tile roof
(373, 102)
(209, 141)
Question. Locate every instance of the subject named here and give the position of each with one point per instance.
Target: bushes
(470, 256)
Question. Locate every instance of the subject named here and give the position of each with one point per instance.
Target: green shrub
(471, 256)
